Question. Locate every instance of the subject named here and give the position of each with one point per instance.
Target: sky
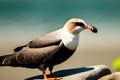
(24, 20)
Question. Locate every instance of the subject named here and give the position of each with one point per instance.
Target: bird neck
(69, 40)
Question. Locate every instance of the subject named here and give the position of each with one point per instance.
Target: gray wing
(52, 38)
(44, 42)
(35, 55)
(47, 40)
(39, 49)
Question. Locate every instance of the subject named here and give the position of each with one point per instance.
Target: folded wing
(36, 51)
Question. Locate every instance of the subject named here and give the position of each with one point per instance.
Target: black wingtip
(19, 48)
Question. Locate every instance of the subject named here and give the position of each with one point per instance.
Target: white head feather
(70, 33)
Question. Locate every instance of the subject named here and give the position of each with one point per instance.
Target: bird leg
(51, 74)
(45, 76)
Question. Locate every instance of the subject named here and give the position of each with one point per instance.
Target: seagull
(49, 50)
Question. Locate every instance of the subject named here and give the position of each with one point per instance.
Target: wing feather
(39, 49)
(33, 55)
(47, 40)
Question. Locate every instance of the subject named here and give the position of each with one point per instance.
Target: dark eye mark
(79, 24)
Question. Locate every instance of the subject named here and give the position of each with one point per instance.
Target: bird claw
(53, 79)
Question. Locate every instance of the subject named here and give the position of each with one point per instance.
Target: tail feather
(8, 60)
(2, 59)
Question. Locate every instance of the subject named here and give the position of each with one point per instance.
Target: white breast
(69, 40)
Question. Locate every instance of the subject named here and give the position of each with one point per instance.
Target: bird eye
(79, 24)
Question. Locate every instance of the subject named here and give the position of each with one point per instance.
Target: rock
(114, 76)
(84, 73)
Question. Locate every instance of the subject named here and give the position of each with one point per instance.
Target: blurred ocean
(24, 20)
